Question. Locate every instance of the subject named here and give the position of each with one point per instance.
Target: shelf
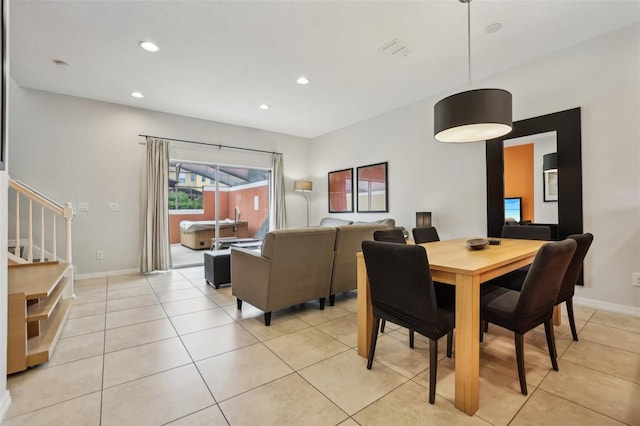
(42, 310)
(36, 280)
(36, 312)
(40, 348)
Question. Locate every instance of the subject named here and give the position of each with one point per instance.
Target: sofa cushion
(388, 222)
(334, 221)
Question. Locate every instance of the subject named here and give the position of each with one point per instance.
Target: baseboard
(106, 274)
(5, 403)
(606, 306)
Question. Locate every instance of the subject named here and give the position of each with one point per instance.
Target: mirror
(567, 127)
(341, 191)
(372, 188)
(528, 176)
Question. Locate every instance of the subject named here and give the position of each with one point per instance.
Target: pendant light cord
(469, 39)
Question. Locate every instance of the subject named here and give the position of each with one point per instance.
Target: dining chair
(522, 311)
(567, 288)
(444, 292)
(402, 292)
(514, 279)
(390, 236)
(425, 235)
(526, 232)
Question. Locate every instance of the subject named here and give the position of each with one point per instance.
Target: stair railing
(47, 207)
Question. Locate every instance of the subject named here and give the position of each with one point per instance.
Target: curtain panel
(156, 251)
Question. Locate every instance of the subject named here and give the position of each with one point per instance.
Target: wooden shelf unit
(36, 312)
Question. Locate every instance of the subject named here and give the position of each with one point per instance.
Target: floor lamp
(304, 186)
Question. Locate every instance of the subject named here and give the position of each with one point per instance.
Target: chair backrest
(542, 283)
(526, 232)
(390, 236)
(301, 261)
(400, 281)
(575, 266)
(425, 235)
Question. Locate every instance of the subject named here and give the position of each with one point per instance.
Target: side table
(217, 267)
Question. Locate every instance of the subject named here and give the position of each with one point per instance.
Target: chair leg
(572, 321)
(322, 301)
(332, 299)
(433, 369)
(411, 338)
(485, 324)
(267, 318)
(551, 342)
(239, 302)
(384, 322)
(449, 343)
(482, 329)
(374, 338)
(519, 341)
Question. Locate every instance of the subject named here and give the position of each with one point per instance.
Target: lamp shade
(423, 219)
(303, 186)
(474, 115)
(550, 161)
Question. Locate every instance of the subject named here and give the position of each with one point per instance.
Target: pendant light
(474, 115)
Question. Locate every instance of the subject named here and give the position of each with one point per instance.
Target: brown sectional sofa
(349, 240)
(298, 265)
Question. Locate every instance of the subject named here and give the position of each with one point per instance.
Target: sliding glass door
(213, 204)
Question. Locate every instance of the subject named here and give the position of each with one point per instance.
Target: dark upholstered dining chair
(402, 292)
(533, 305)
(444, 292)
(425, 235)
(390, 236)
(526, 232)
(567, 288)
(514, 279)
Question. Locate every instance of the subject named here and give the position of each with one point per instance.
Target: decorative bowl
(477, 243)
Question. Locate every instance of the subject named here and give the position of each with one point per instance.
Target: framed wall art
(373, 188)
(341, 191)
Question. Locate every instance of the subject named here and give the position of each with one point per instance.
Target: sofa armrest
(250, 273)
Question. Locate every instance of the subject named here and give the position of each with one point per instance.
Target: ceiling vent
(396, 47)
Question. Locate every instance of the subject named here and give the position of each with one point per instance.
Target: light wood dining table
(452, 262)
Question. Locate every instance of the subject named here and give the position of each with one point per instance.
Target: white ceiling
(219, 60)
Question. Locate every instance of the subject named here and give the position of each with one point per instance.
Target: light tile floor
(168, 349)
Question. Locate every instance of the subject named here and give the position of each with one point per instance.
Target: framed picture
(550, 185)
(373, 191)
(3, 86)
(341, 191)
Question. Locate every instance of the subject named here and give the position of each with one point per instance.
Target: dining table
(454, 262)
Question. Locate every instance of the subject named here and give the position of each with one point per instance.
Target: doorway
(214, 202)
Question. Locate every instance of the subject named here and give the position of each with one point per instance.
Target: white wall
(602, 77)
(5, 398)
(543, 212)
(75, 149)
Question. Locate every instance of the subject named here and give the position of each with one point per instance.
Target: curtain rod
(213, 144)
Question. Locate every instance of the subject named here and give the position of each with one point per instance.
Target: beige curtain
(278, 192)
(156, 251)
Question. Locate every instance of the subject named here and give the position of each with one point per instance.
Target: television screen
(513, 208)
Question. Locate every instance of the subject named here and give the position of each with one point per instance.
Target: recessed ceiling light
(264, 107)
(302, 80)
(149, 46)
(137, 95)
(493, 28)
